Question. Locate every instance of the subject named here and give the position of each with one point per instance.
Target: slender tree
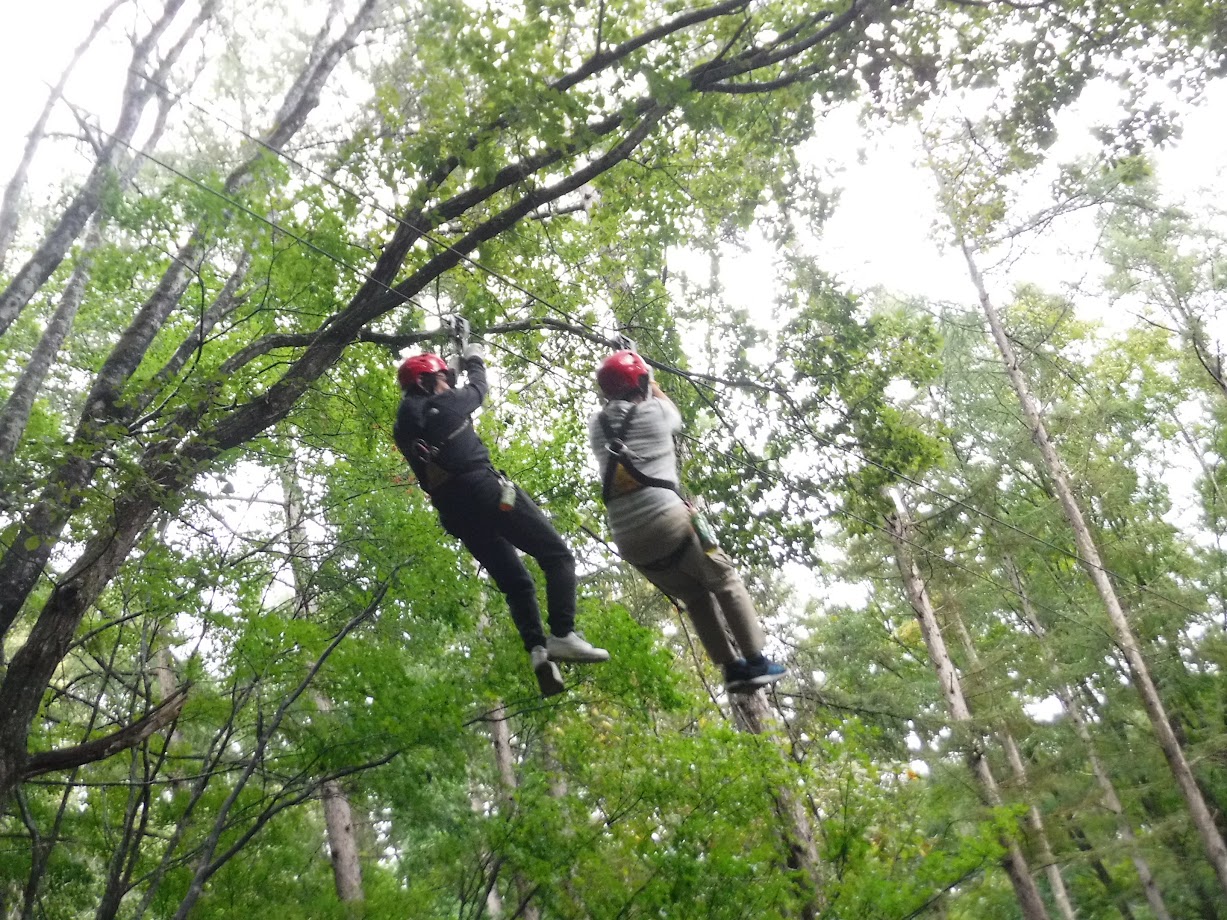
(10, 212)
(1015, 862)
(139, 89)
(1089, 557)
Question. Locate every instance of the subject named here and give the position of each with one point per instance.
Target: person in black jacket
(490, 515)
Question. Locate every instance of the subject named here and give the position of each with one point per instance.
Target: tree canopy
(243, 669)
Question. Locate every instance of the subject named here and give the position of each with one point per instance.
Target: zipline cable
(1137, 586)
(268, 221)
(802, 417)
(428, 235)
(784, 480)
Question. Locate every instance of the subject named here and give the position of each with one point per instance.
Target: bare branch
(101, 748)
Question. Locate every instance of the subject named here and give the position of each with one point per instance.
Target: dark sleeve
(470, 396)
(406, 426)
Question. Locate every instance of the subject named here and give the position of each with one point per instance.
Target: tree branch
(101, 748)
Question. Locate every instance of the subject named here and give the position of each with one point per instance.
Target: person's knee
(699, 603)
(557, 561)
(722, 578)
(515, 584)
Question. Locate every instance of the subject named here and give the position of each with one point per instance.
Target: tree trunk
(504, 763)
(342, 842)
(1102, 873)
(45, 522)
(209, 860)
(528, 183)
(1088, 554)
(751, 714)
(504, 760)
(16, 412)
(15, 415)
(125, 848)
(42, 845)
(338, 816)
(222, 304)
(211, 759)
(9, 211)
(494, 901)
(63, 495)
(1107, 789)
(1014, 862)
(1035, 821)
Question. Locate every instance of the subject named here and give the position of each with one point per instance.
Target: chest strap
(621, 475)
(428, 455)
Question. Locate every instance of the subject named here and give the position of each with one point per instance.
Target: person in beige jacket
(654, 527)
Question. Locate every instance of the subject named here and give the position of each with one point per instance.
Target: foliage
(206, 495)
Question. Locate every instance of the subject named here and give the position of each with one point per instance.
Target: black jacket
(441, 420)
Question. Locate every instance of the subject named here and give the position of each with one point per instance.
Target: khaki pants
(706, 584)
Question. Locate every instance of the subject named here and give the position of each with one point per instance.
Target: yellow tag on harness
(623, 481)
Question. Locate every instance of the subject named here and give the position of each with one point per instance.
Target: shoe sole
(578, 657)
(596, 656)
(549, 679)
(751, 684)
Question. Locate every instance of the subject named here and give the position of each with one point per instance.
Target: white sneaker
(573, 647)
(549, 678)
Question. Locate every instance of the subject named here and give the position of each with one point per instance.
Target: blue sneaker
(742, 676)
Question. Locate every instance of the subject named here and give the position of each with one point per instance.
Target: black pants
(468, 509)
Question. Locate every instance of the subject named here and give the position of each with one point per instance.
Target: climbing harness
(426, 452)
(434, 473)
(623, 477)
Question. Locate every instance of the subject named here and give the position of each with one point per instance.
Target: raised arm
(470, 396)
(672, 415)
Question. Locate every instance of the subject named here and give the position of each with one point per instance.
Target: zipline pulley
(457, 330)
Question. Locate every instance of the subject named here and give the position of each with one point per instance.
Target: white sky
(886, 230)
(881, 234)
(41, 38)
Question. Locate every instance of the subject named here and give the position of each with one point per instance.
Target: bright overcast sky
(883, 232)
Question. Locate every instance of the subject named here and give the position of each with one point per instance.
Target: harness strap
(428, 455)
(667, 561)
(620, 465)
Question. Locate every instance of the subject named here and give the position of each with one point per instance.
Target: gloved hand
(475, 350)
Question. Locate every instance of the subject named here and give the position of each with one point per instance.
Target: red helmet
(415, 367)
(622, 374)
